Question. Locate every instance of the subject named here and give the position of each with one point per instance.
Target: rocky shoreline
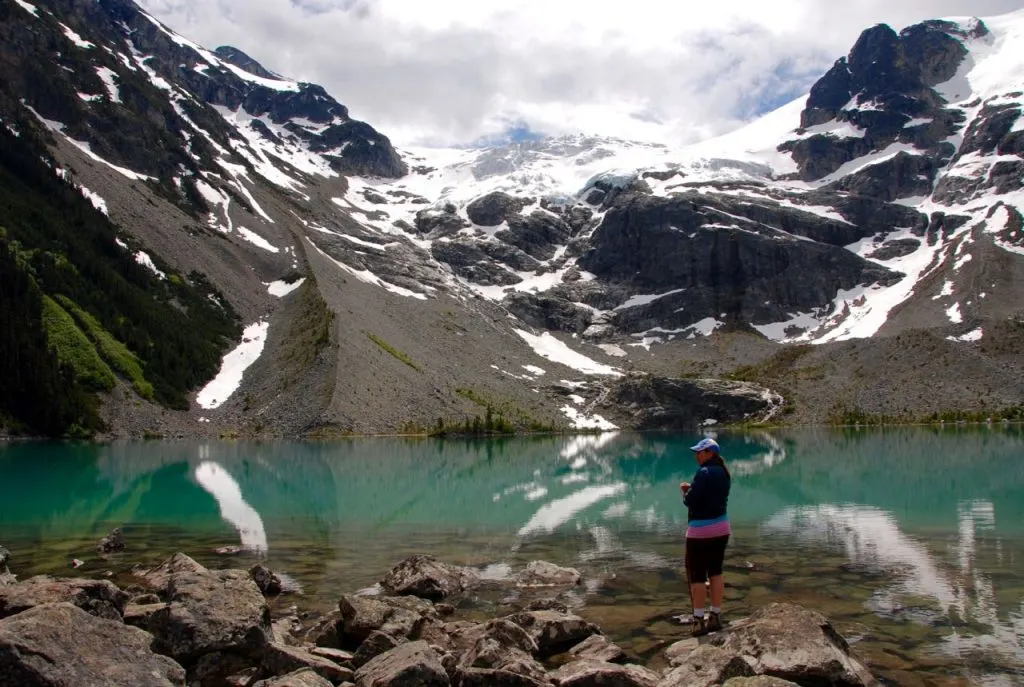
(180, 623)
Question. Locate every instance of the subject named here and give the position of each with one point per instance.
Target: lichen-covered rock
(797, 644)
(706, 666)
(410, 665)
(56, 645)
(98, 597)
(428, 578)
(363, 615)
(280, 660)
(587, 673)
(211, 611)
(554, 631)
(598, 648)
(376, 644)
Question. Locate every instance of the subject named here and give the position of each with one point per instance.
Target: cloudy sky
(453, 71)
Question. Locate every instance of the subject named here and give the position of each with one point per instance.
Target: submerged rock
(544, 574)
(269, 583)
(428, 578)
(60, 644)
(112, 543)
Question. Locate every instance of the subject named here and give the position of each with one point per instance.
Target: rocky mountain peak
(242, 61)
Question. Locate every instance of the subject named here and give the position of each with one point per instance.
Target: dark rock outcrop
(428, 578)
(537, 234)
(661, 403)
(54, 645)
(97, 597)
(269, 583)
(548, 311)
(494, 208)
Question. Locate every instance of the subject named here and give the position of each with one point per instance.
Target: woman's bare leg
(717, 590)
(698, 595)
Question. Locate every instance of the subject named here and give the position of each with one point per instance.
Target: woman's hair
(718, 460)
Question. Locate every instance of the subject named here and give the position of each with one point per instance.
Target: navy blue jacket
(709, 493)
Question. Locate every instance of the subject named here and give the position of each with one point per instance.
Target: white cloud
(454, 70)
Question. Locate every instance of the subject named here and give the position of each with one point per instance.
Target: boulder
(488, 677)
(428, 578)
(268, 582)
(362, 615)
(279, 659)
(553, 631)
(112, 543)
(677, 653)
(797, 644)
(758, 681)
(706, 666)
(6, 577)
(600, 674)
(376, 644)
(300, 678)
(139, 615)
(544, 574)
(158, 577)
(494, 208)
(220, 668)
(598, 648)
(60, 644)
(410, 665)
(98, 597)
(502, 645)
(211, 611)
(326, 631)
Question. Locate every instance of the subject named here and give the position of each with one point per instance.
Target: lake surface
(911, 540)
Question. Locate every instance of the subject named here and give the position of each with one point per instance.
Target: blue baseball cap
(706, 444)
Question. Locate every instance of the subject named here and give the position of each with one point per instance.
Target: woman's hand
(684, 487)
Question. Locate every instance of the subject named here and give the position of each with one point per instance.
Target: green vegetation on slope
(165, 336)
(397, 354)
(74, 348)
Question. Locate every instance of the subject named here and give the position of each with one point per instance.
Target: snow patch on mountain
(233, 367)
(547, 346)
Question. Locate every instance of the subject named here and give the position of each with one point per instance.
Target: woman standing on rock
(707, 534)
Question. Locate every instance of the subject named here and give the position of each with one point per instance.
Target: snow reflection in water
(233, 507)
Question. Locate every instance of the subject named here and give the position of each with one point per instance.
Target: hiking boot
(714, 622)
(698, 628)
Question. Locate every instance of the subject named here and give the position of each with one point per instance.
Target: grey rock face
(797, 644)
(211, 611)
(548, 311)
(428, 578)
(55, 645)
(411, 665)
(98, 597)
(746, 273)
(469, 261)
(661, 403)
(537, 234)
(494, 208)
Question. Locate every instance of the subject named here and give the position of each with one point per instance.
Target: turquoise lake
(911, 539)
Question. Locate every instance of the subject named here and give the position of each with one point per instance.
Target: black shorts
(704, 558)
